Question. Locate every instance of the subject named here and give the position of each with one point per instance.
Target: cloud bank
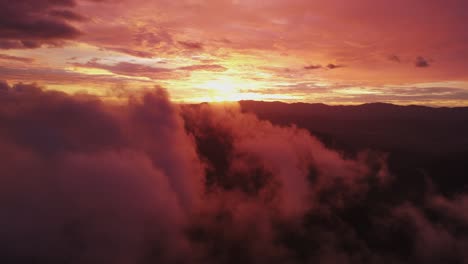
(88, 181)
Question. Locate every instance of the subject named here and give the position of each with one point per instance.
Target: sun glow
(226, 89)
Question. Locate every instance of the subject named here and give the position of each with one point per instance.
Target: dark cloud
(67, 15)
(23, 44)
(135, 53)
(394, 58)
(191, 45)
(15, 58)
(37, 21)
(421, 62)
(312, 67)
(332, 66)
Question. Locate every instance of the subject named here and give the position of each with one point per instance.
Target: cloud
(433, 242)
(204, 67)
(421, 62)
(24, 21)
(407, 95)
(130, 69)
(15, 58)
(67, 15)
(4, 86)
(287, 154)
(176, 32)
(332, 66)
(456, 207)
(191, 45)
(23, 44)
(136, 53)
(304, 89)
(141, 172)
(312, 67)
(394, 58)
(52, 75)
(329, 66)
(120, 192)
(148, 181)
(140, 70)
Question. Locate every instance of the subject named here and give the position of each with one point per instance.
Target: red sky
(330, 51)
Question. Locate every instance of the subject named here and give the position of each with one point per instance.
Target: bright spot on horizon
(228, 89)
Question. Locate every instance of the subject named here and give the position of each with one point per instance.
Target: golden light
(227, 89)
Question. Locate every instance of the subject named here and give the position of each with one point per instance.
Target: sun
(230, 89)
(226, 89)
(221, 89)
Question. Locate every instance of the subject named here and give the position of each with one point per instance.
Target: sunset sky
(327, 51)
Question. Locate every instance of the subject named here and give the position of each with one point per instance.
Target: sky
(317, 51)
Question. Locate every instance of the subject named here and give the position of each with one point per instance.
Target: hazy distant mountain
(420, 141)
(376, 125)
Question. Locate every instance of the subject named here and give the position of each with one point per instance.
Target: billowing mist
(89, 181)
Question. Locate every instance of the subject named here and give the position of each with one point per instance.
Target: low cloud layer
(88, 181)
